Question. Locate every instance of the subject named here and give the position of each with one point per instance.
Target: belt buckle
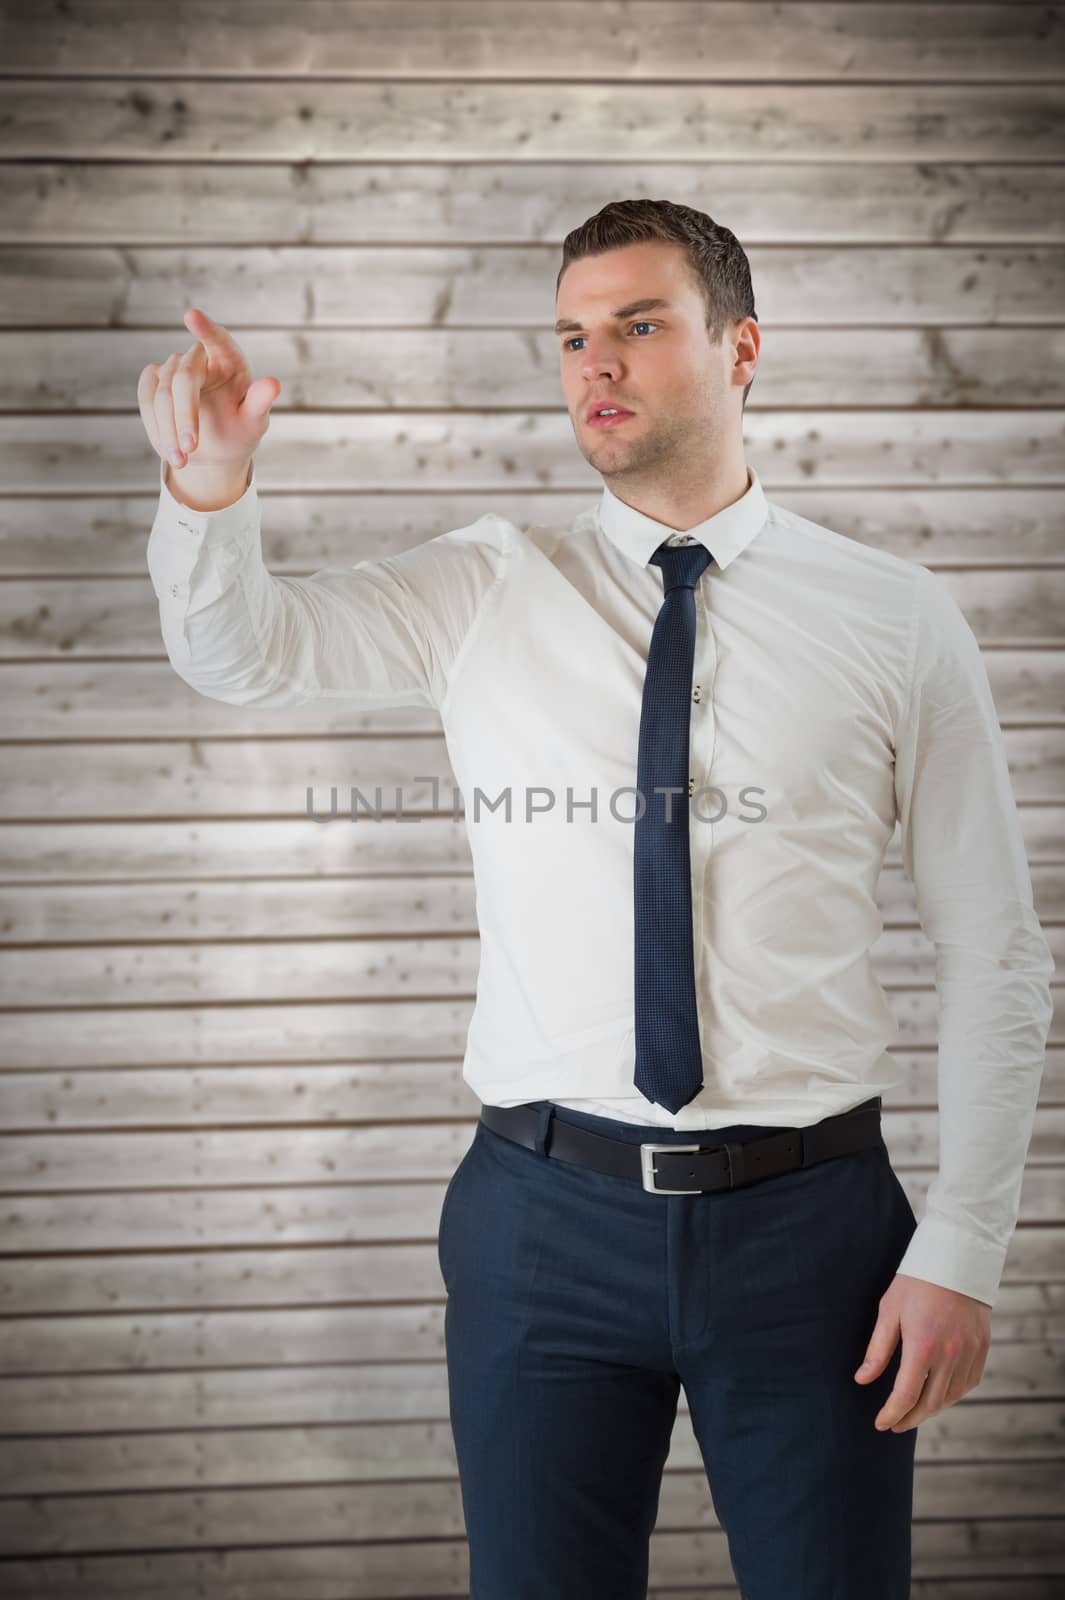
(647, 1167)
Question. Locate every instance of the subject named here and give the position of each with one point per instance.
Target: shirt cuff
(944, 1254)
(179, 535)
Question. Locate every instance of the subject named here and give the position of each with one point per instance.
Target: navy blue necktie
(669, 1066)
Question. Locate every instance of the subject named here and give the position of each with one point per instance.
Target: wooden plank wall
(222, 1334)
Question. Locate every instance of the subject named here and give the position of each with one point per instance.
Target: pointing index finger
(211, 334)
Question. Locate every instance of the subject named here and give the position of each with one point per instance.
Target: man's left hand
(945, 1340)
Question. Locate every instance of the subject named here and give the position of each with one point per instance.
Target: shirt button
(695, 692)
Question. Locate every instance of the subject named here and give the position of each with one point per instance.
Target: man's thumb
(260, 397)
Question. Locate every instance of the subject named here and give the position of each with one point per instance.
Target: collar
(726, 534)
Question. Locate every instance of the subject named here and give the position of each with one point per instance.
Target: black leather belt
(694, 1168)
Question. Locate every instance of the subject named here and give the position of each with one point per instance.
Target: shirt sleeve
(386, 632)
(963, 850)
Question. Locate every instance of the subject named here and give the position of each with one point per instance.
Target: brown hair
(717, 260)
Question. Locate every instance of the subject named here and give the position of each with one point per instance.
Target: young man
(694, 718)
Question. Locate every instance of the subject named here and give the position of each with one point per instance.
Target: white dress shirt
(836, 690)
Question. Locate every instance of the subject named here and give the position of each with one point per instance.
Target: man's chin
(604, 445)
(612, 459)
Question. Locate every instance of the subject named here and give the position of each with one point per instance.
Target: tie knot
(682, 564)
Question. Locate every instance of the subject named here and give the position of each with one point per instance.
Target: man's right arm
(377, 633)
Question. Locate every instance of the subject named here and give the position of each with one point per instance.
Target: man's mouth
(607, 416)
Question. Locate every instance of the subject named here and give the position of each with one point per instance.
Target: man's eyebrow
(655, 303)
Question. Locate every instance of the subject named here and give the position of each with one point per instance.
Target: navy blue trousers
(577, 1306)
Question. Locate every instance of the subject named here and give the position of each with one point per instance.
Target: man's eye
(568, 342)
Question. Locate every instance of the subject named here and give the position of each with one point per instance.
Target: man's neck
(686, 510)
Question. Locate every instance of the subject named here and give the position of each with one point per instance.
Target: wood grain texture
(495, 202)
(478, 39)
(231, 1037)
(194, 119)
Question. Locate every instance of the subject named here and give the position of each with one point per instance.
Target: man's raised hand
(203, 408)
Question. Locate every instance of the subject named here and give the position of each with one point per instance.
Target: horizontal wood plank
(343, 969)
(127, 850)
(432, 122)
(314, 1031)
(308, 286)
(681, 40)
(490, 202)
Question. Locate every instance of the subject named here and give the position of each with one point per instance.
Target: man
(712, 712)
